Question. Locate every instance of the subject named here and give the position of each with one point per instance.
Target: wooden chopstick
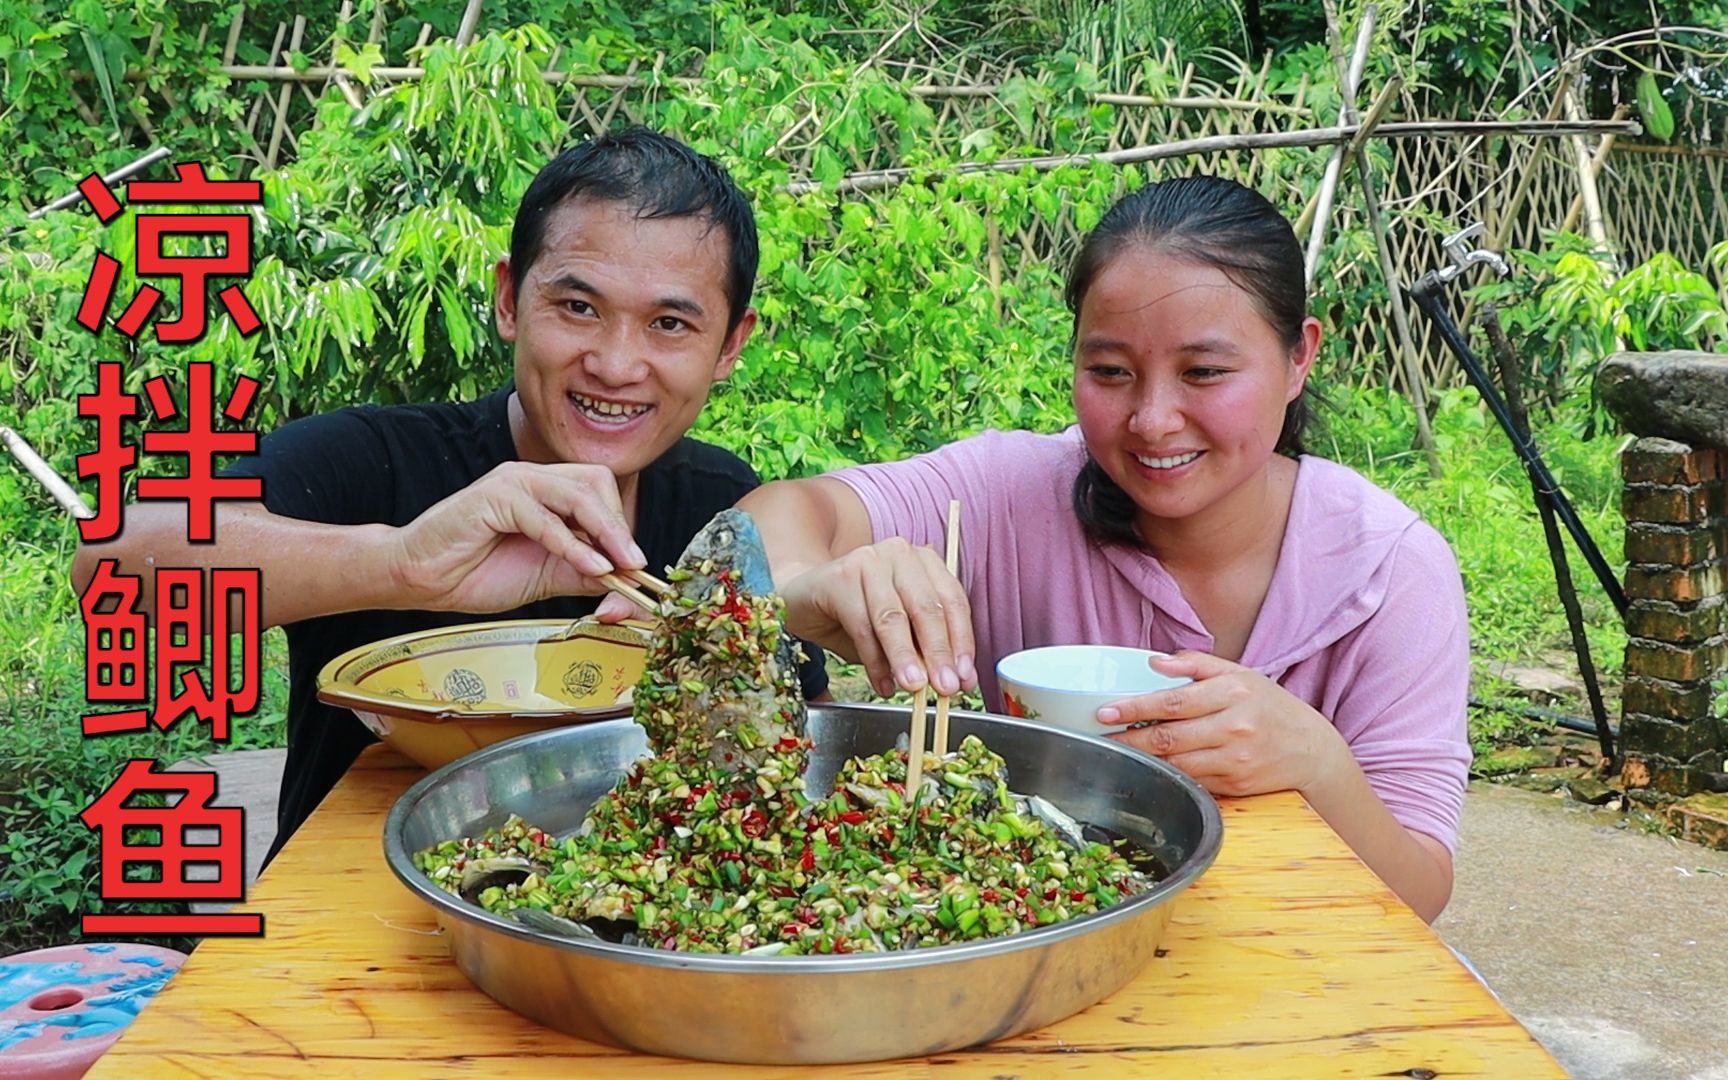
(653, 584)
(915, 751)
(953, 559)
(624, 582)
(618, 584)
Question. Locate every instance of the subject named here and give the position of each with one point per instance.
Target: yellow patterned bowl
(436, 695)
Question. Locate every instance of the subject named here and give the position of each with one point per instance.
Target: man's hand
(512, 537)
(1232, 729)
(892, 607)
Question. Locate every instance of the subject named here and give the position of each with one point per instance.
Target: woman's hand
(1239, 733)
(892, 607)
(1232, 729)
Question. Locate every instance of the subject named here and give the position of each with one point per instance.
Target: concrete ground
(1609, 944)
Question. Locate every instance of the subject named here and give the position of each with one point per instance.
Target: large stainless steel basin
(768, 1009)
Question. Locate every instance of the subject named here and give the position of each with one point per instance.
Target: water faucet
(1457, 248)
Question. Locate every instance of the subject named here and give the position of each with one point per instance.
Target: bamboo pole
(1409, 361)
(1593, 219)
(1671, 151)
(342, 81)
(994, 233)
(1349, 79)
(282, 100)
(1143, 101)
(44, 473)
(258, 103)
(110, 180)
(470, 19)
(234, 34)
(877, 179)
(410, 72)
(1603, 149)
(1365, 129)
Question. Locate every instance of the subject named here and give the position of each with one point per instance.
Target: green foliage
(49, 772)
(1483, 505)
(1566, 312)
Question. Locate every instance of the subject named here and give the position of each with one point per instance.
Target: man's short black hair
(658, 177)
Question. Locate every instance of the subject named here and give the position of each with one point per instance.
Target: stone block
(1677, 624)
(1676, 663)
(1671, 505)
(1676, 780)
(1545, 780)
(1676, 395)
(1664, 461)
(1511, 759)
(1702, 819)
(1672, 545)
(1648, 797)
(1656, 739)
(1664, 700)
(1588, 789)
(1682, 586)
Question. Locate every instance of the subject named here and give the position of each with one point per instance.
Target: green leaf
(360, 64)
(99, 64)
(1658, 118)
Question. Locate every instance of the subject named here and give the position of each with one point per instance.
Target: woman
(1322, 622)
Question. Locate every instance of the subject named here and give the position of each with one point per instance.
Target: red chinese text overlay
(115, 644)
(193, 271)
(199, 444)
(159, 840)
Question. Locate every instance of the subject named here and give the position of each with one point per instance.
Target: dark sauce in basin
(1138, 857)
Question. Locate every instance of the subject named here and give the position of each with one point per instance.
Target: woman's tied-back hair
(1214, 222)
(656, 176)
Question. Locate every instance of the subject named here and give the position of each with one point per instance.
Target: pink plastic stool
(61, 1008)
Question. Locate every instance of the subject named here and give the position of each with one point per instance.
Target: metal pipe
(110, 180)
(1530, 712)
(1427, 295)
(1511, 379)
(45, 474)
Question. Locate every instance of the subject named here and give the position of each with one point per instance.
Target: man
(627, 297)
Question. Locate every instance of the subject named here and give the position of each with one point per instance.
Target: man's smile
(601, 411)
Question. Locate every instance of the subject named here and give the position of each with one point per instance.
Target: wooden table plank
(1287, 958)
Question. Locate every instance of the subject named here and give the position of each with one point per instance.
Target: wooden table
(1288, 958)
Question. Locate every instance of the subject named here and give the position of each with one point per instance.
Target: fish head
(729, 542)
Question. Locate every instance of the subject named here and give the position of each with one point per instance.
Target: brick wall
(1676, 507)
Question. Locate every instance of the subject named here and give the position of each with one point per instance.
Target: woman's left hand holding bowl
(1232, 729)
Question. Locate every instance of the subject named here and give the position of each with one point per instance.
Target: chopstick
(953, 560)
(620, 583)
(915, 750)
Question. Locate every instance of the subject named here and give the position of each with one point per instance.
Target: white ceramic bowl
(1065, 685)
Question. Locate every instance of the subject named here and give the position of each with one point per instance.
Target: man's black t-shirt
(387, 465)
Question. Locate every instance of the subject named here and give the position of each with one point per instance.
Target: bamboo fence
(1429, 179)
